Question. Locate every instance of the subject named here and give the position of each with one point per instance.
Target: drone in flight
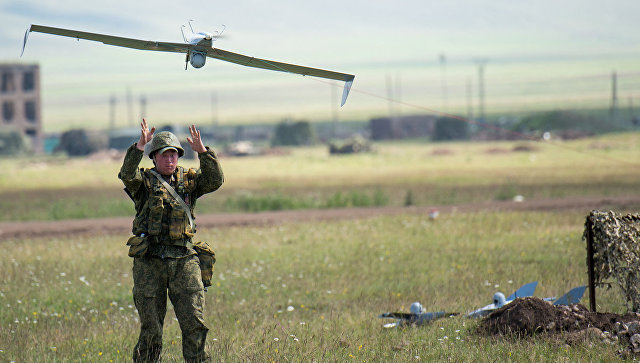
(197, 47)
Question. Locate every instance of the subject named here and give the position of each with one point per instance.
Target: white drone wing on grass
(401, 319)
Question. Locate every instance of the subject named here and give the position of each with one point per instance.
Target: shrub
(82, 142)
(559, 121)
(12, 143)
(293, 134)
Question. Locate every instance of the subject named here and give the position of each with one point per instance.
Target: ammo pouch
(138, 246)
(207, 258)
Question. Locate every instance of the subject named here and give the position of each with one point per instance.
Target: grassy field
(394, 174)
(312, 291)
(306, 291)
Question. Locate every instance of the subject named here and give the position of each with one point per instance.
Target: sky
(422, 54)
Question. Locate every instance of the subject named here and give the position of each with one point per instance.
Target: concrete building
(20, 108)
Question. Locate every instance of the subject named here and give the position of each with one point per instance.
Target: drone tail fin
(347, 87)
(524, 291)
(572, 297)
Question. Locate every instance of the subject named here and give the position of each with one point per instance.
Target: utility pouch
(207, 258)
(138, 246)
(177, 224)
(156, 209)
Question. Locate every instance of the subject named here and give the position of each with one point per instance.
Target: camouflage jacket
(158, 214)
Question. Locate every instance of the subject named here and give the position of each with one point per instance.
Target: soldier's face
(166, 162)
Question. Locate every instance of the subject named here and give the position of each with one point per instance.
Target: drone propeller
(182, 31)
(218, 34)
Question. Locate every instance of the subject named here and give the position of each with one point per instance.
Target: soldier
(164, 257)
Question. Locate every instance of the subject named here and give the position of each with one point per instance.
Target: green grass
(279, 201)
(408, 163)
(306, 291)
(58, 188)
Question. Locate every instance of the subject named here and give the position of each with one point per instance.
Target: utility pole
(334, 111)
(214, 108)
(390, 98)
(129, 107)
(481, 63)
(614, 96)
(443, 69)
(398, 96)
(143, 106)
(469, 99)
(112, 113)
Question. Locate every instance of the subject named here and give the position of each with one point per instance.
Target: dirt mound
(528, 316)
(524, 316)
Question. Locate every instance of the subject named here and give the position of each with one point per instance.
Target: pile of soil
(525, 317)
(530, 315)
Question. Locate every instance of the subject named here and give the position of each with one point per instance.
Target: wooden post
(592, 287)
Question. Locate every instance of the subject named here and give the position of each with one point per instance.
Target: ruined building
(20, 102)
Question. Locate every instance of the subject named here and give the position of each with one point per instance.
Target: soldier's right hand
(145, 135)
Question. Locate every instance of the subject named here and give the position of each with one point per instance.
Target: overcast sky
(424, 52)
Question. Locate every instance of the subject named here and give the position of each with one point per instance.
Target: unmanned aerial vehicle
(197, 47)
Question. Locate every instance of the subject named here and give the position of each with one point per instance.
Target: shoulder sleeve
(129, 172)
(209, 177)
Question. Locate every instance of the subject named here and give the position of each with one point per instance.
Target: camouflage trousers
(152, 278)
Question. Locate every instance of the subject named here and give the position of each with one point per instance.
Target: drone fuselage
(203, 39)
(198, 55)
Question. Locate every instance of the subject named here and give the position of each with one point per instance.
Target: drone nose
(499, 299)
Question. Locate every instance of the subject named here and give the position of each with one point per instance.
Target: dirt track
(16, 230)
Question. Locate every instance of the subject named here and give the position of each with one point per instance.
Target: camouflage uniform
(170, 263)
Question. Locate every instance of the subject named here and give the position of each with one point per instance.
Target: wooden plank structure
(592, 287)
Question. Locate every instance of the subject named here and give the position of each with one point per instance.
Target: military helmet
(163, 141)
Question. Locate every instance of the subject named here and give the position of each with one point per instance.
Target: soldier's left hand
(195, 141)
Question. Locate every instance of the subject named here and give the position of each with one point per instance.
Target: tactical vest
(159, 214)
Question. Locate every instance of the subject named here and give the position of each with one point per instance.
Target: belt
(183, 242)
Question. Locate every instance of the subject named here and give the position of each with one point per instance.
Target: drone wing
(109, 39)
(483, 311)
(283, 67)
(186, 48)
(406, 316)
(411, 318)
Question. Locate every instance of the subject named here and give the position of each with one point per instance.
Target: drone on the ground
(419, 316)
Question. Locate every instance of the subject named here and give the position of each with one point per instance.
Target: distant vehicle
(352, 145)
(242, 148)
(197, 46)
(417, 316)
(499, 300)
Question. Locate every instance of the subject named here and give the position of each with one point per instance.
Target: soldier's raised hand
(195, 141)
(145, 135)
